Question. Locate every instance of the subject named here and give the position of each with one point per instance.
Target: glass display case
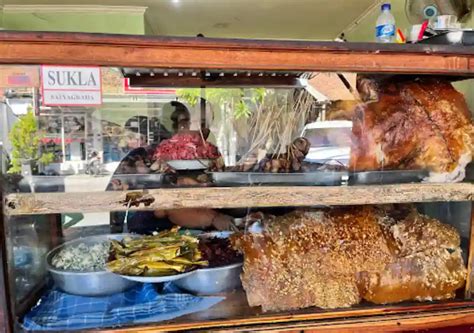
(194, 184)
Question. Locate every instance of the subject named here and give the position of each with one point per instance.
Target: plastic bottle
(385, 27)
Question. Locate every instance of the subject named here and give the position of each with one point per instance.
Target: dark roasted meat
(412, 124)
(218, 252)
(290, 161)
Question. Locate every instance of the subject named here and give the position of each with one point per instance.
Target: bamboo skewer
(277, 121)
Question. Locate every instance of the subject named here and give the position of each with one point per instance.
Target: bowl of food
(165, 256)
(187, 150)
(210, 281)
(223, 271)
(79, 267)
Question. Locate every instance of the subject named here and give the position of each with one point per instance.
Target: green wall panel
(121, 23)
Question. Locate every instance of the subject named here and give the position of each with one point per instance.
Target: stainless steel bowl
(210, 281)
(98, 283)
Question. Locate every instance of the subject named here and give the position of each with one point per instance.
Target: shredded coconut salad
(82, 257)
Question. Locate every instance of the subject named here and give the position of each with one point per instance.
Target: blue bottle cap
(386, 6)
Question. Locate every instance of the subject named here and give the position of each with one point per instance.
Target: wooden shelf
(232, 54)
(234, 197)
(235, 314)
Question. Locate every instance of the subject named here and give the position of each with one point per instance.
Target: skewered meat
(412, 124)
(186, 146)
(291, 161)
(217, 164)
(335, 258)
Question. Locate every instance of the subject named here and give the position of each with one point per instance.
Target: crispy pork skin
(337, 257)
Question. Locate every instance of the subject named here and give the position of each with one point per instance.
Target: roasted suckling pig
(338, 257)
(407, 123)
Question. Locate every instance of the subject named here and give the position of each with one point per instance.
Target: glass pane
(3, 300)
(156, 129)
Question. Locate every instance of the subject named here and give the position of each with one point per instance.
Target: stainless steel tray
(387, 177)
(140, 181)
(323, 178)
(58, 183)
(42, 184)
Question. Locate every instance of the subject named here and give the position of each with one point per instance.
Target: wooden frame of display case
(207, 53)
(6, 316)
(224, 197)
(240, 55)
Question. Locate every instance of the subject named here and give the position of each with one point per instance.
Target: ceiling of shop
(293, 19)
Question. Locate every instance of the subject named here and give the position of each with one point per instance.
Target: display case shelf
(232, 54)
(234, 313)
(233, 197)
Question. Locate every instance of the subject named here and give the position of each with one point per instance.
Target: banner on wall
(71, 86)
(12, 77)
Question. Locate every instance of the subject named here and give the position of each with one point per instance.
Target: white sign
(71, 86)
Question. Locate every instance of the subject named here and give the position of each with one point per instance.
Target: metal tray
(58, 183)
(41, 184)
(387, 177)
(140, 181)
(323, 178)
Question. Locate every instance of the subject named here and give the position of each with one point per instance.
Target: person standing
(138, 161)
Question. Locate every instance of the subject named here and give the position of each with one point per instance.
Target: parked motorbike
(94, 165)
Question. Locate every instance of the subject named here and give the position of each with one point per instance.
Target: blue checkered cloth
(57, 310)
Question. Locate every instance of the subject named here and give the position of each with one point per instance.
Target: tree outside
(25, 139)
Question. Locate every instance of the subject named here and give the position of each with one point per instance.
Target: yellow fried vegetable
(118, 267)
(121, 263)
(166, 253)
(117, 248)
(184, 261)
(149, 258)
(159, 272)
(189, 239)
(125, 262)
(151, 240)
(135, 271)
(162, 265)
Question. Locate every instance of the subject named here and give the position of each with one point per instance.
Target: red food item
(186, 146)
